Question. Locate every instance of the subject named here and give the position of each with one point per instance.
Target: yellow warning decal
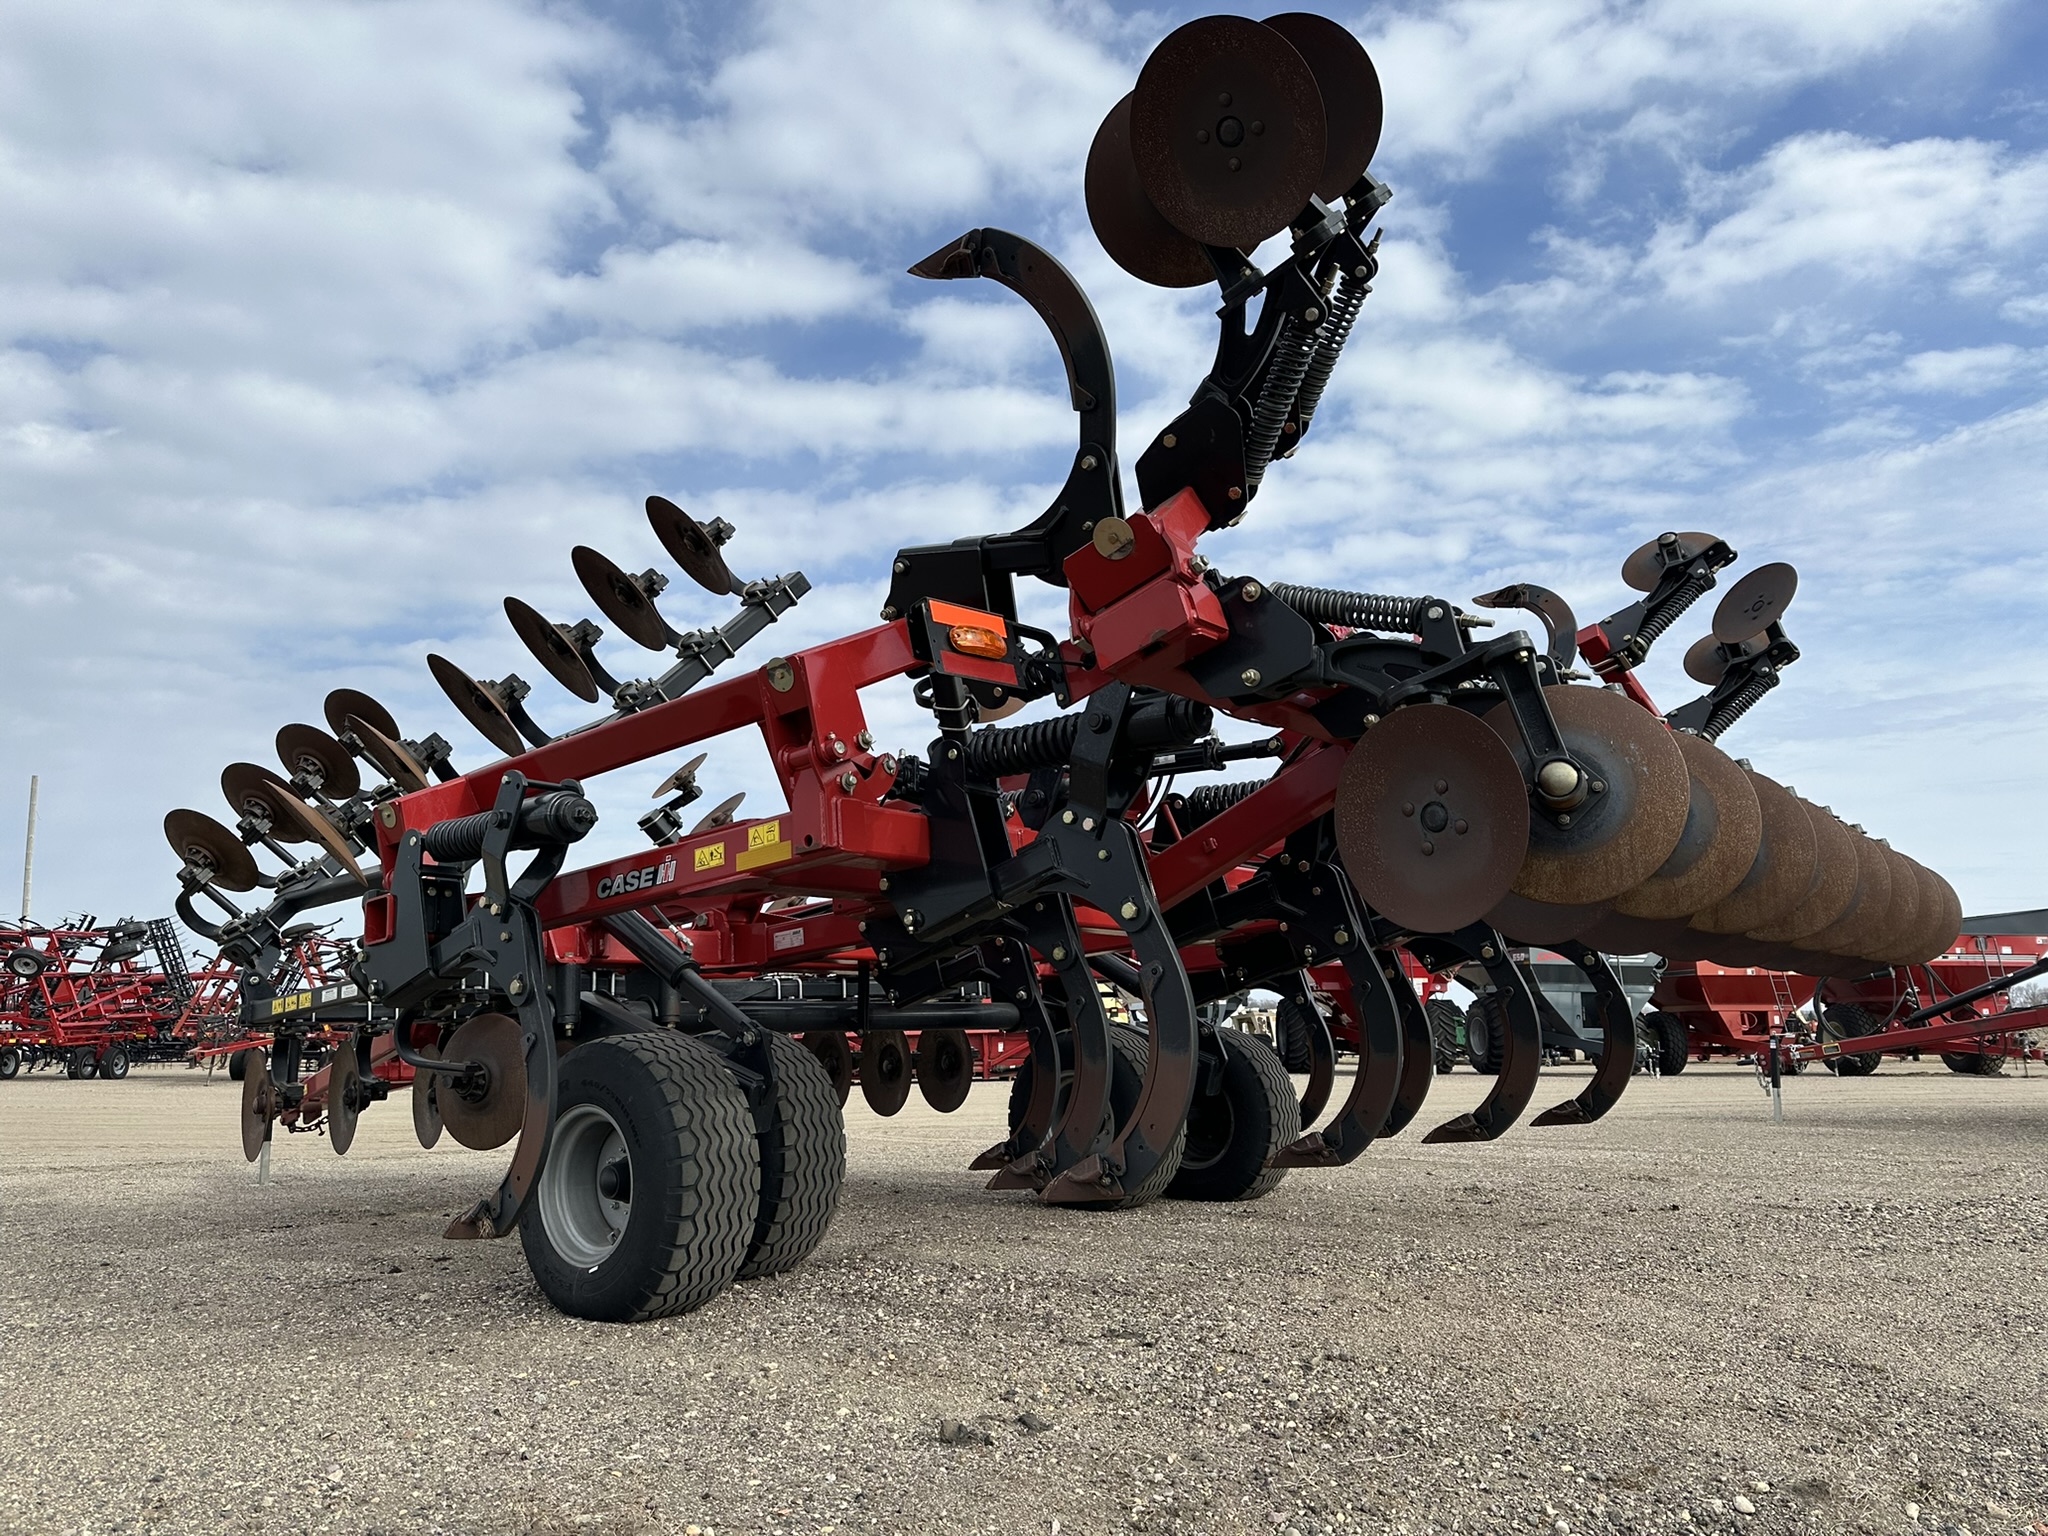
(762, 833)
(765, 845)
(291, 1002)
(710, 856)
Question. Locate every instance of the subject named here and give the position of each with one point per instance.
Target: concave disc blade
(252, 790)
(1903, 915)
(680, 777)
(1933, 929)
(397, 764)
(1619, 835)
(308, 750)
(1756, 602)
(1228, 131)
(1829, 891)
(476, 706)
(1641, 569)
(1523, 921)
(549, 642)
(1619, 934)
(619, 598)
(1781, 872)
(1353, 105)
(1133, 232)
(426, 1108)
(945, 1068)
(885, 1071)
(342, 1076)
(1852, 932)
(691, 547)
(1723, 826)
(720, 814)
(304, 824)
(1704, 662)
(197, 838)
(343, 702)
(493, 1118)
(259, 1103)
(1432, 818)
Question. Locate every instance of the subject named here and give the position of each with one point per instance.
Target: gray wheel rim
(582, 1221)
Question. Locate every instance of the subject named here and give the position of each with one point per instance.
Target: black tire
(1234, 1134)
(114, 1064)
(1973, 1063)
(1670, 1039)
(1485, 1029)
(1446, 1031)
(692, 1186)
(1849, 1021)
(803, 1162)
(82, 1064)
(238, 1065)
(1130, 1050)
(10, 1064)
(1292, 1031)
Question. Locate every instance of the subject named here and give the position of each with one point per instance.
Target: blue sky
(324, 326)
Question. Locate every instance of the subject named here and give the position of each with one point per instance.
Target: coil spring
(1205, 802)
(1353, 610)
(1293, 347)
(1738, 704)
(1666, 613)
(1000, 750)
(1344, 307)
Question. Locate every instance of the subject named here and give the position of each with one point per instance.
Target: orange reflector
(975, 640)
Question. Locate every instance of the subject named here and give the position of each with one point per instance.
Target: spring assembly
(1739, 703)
(1205, 802)
(1293, 347)
(1344, 306)
(1353, 610)
(1000, 750)
(1666, 613)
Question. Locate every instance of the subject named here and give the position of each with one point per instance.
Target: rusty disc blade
(945, 1068)
(1641, 569)
(259, 1103)
(1756, 602)
(426, 1107)
(488, 1116)
(396, 764)
(885, 1071)
(476, 705)
(1354, 107)
(198, 839)
(1852, 932)
(720, 814)
(680, 777)
(1830, 889)
(257, 792)
(1903, 916)
(551, 647)
(691, 547)
(1228, 131)
(1133, 232)
(1619, 835)
(1933, 928)
(1540, 922)
(620, 598)
(1704, 662)
(342, 1078)
(1780, 874)
(1432, 818)
(343, 702)
(1723, 826)
(309, 751)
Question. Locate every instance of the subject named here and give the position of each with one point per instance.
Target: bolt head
(1250, 677)
(1129, 910)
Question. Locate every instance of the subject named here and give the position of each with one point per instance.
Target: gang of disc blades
(307, 747)
(251, 789)
(551, 647)
(259, 1103)
(681, 776)
(619, 598)
(1354, 107)
(1523, 921)
(885, 1070)
(1723, 826)
(1929, 938)
(1432, 818)
(343, 702)
(342, 1077)
(1228, 131)
(391, 758)
(1641, 569)
(1623, 831)
(426, 1106)
(720, 814)
(494, 1118)
(1830, 889)
(1133, 232)
(476, 705)
(1850, 933)
(196, 838)
(1903, 914)
(1756, 602)
(1781, 872)
(691, 547)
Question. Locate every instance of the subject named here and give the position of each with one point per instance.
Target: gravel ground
(1686, 1318)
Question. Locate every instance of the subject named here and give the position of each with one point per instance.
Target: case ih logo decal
(637, 879)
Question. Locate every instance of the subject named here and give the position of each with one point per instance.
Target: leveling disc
(1354, 107)
(885, 1070)
(1723, 826)
(1228, 131)
(945, 1068)
(1705, 661)
(426, 1107)
(674, 782)
(1755, 603)
(489, 1115)
(259, 1102)
(477, 705)
(343, 1077)
(1781, 872)
(198, 839)
(392, 760)
(1829, 890)
(309, 751)
(620, 598)
(1620, 834)
(1641, 569)
(1541, 922)
(551, 647)
(257, 792)
(1133, 232)
(691, 546)
(1432, 818)
(831, 1049)
(720, 814)
(343, 702)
